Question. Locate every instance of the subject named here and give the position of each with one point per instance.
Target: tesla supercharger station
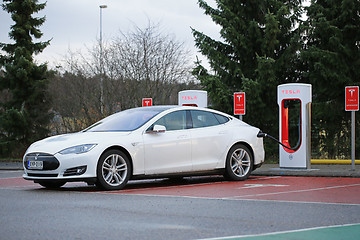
(196, 98)
(294, 100)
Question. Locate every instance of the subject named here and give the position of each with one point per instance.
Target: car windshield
(127, 120)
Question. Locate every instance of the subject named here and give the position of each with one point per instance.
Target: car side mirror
(158, 129)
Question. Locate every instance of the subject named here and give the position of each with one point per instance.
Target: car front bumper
(71, 167)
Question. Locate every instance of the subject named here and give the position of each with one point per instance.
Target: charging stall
(294, 100)
(197, 98)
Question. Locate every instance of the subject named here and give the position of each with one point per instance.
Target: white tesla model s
(147, 142)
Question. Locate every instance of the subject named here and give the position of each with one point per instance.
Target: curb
(12, 166)
(349, 173)
(333, 161)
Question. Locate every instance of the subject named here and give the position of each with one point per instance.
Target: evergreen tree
(332, 61)
(24, 115)
(258, 51)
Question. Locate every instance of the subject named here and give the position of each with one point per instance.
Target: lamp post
(101, 64)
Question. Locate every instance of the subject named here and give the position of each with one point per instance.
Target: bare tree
(137, 64)
(152, 60)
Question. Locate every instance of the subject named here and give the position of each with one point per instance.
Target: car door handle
(222, 132)
(182, 137)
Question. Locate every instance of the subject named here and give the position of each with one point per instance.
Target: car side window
(173, 121)
(203, 119)
(222, 119)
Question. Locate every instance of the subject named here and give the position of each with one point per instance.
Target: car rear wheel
(239, 163)
(113, 170)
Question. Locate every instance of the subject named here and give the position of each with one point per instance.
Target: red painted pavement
(295, 189)
(18, 182)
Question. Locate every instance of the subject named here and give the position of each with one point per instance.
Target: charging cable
(263, 135)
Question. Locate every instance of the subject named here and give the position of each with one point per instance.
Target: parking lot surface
(191, 208)
(294, 189)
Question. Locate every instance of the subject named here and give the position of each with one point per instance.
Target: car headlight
(78, 149)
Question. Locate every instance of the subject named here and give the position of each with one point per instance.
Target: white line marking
(261, 185)
(191, 185)
(262, 178)
(282, 232)
(294, 201)
(296, 191)
(168, 187)
(226, 199)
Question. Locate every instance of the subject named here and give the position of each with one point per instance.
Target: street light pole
(101, 64)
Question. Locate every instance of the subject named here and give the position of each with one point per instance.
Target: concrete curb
(333, 161)
(11, 166)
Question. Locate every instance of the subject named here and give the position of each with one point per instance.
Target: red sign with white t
(147, 102)
(352, 98)
(239, 103)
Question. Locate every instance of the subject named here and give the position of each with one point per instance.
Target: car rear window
(206, 119)
(222, 119)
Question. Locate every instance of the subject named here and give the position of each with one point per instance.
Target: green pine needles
(24, 106)
(265, 43)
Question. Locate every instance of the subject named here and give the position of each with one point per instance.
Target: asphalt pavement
(294, 207)
(316, 170)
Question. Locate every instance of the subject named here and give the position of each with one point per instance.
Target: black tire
(52, 184)
(113, 170)
(239, 163)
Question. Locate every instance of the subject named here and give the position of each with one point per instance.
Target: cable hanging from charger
(262, 135)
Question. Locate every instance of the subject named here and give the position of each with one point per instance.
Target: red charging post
(352, 104)
(147, 102)
(239, 104)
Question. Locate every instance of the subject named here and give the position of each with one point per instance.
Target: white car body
(180, 152)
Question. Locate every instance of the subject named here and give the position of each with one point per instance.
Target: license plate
(35, 165)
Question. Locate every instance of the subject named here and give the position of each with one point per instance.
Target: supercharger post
(197, 98)
(294, 100)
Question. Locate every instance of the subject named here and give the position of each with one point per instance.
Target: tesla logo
(291, 91)
(36, 156)
(351, 91)
(147, 102)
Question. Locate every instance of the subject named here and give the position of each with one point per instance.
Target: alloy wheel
(114, 170)
(240, 162)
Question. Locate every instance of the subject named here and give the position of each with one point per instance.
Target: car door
(169, 151)
(210, 139)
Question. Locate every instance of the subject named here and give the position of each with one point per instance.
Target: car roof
(163, 108)
(177, 107)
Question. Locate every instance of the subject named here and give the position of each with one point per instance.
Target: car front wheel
(239, 163)
(113, 170)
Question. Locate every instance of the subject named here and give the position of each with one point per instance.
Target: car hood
(57, 143)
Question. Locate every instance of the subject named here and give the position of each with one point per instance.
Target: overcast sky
(74, 24)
